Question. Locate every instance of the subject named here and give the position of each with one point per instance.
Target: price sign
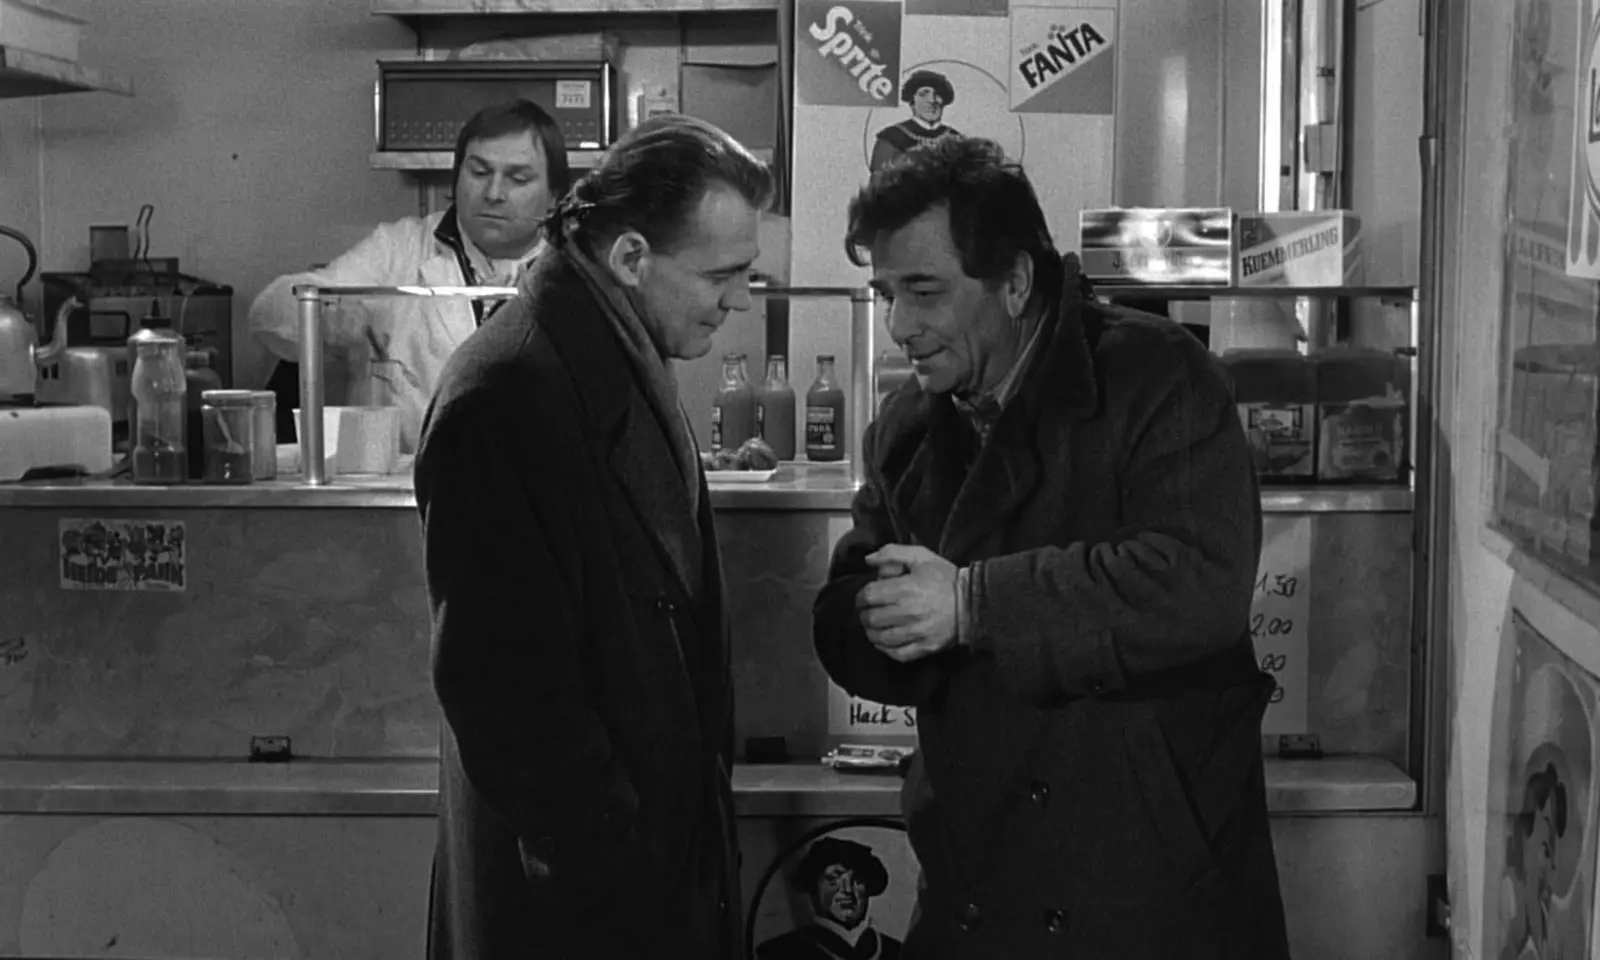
(865, 721)
(1279, 618)
(572, 94)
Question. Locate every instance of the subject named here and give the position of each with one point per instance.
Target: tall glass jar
(230, 424)
(266, 417)
(159, 387)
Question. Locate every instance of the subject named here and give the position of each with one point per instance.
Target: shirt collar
(991, 402)
(492, 272)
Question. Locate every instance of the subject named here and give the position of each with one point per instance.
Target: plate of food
(753, 462)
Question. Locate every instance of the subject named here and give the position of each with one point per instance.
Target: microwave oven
(423, 104)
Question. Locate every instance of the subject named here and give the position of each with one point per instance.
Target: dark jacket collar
(614, 404)
(952, 496)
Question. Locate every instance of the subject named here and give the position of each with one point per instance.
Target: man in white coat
(510, 166)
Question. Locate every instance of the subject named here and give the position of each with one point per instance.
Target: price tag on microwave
(572, 94)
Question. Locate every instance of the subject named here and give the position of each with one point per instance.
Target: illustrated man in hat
(927, 93)
(840, 878)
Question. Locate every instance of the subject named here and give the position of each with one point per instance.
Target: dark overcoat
(1089, 781)
(580, 652)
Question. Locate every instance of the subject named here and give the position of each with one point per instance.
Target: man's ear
(629, 258)
(1019, 285)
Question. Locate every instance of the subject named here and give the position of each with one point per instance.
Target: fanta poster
(847, 54)
(1063, 60)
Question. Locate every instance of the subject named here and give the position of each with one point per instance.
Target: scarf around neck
(622, 311)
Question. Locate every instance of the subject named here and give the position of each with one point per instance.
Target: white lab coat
(416, 335)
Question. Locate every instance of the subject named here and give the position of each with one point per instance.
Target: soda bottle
(733, 409)
(775, 409)
(825, 424)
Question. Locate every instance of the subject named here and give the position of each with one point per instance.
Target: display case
(246, 669)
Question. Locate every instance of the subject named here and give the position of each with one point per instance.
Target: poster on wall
(1539, 902)
(1545, 449)
(844, 891)
(874, 78)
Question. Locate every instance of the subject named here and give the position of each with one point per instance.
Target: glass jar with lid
(229, 422)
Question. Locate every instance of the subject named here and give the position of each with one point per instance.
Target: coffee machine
(114, 297)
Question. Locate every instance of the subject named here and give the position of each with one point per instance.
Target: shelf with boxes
(1317, 413)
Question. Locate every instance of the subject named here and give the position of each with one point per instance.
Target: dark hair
(994, 213)
(858, 858)
(653, 179)
(939, 83)
(517, 116)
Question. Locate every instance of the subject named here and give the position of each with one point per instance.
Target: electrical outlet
(270, 750)
(1438, 905)
(1300, 746)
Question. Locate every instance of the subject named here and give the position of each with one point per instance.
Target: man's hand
(909, 612)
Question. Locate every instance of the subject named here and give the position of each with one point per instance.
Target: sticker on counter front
(1063, 60)
(847, 54)
(572, 94)
(856, 717)
(145, 555)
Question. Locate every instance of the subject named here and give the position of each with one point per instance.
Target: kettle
(20, 356)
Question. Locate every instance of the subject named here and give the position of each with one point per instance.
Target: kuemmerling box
(1299, 248)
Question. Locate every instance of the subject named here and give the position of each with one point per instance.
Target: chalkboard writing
(1279, 614)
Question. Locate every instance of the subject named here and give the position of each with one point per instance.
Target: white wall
(19, 189)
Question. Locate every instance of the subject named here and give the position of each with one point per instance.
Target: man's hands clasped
(909, 612)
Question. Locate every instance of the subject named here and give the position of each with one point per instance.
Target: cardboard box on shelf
(1320, 248)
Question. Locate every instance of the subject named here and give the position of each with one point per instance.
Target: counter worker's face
(687, 292)
(503, 193)
(960, 333)
(927, 105)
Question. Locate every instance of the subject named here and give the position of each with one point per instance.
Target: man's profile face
(948, 323)
(927, 105)
(840, 897)
(503, 193)
(689, 290)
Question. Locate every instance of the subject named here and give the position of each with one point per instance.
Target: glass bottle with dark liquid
(825, 424)
(160, 390)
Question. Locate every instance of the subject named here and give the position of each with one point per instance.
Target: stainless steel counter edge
(409, 788)
(829, 492)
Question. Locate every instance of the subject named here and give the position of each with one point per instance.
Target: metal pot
(20, 354)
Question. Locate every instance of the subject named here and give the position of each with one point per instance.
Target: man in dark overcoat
(1053, 559)
(580, 650)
